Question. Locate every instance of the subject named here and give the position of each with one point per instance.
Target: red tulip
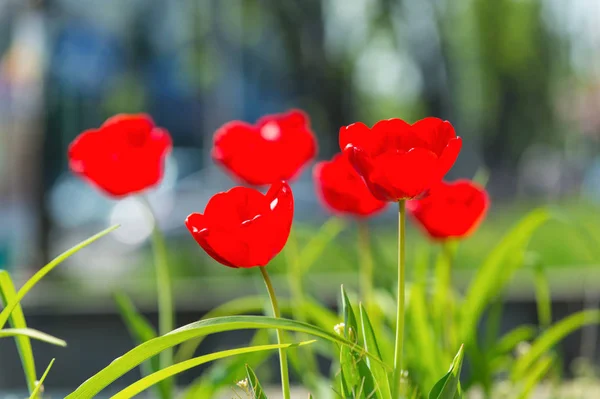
(343, 190)
(124, 156)
(401, 161)
(244, 228)
(274, 149)
(452, 210)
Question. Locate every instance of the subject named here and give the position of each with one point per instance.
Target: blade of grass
(40, 383)
(141, 331)
(319, 242)
(5, 314)
(382, 383)
(543, 298)
(154, 378)
(317, 313)
(134, 357)
(549, 338)
(31, 333)
(449, 385)
(17, 320)
(256, 388)
(535, 375)
(225, 371)
(498, 269)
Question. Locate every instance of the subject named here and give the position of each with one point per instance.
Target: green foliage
(154, 378)
(141, 330)
(439, 320)
(39, 384)
(17, 320)
(256, 389)
(448, 387)
(6, 312)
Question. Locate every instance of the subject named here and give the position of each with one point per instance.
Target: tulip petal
(196, 224)
(343, 190)
(449, 156)
(452, 210)
(403, 175)
(356, 135)
(395, 134)
(125, 156)
(435, 133)
(274, 149)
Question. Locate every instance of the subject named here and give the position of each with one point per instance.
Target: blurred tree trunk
(313, 73)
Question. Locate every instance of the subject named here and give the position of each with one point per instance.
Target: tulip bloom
(452, 210)
(126, 155)
(274, 149)
(244, 228)
(400, 161)
(343, 190)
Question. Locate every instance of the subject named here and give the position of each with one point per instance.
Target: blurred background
(519, 79)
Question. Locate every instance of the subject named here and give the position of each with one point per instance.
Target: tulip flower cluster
(393, 161)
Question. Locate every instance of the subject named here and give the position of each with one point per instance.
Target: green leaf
(5, 314)
(380, 375)
(359, 378)
(238, 306)
(161, 375)
(350, 324)
(535, 375)
(348, 360)
(35, 334)
(223, 372)
(511, 339)
(139, 327)
(134, 357)
(542, 296)
(316, 312)
(40, 383)
(319, 242)
(17, 320)
(449, 386)
(498, 269)
(422, 348)
(256, 389)
(141, 331)
(552, 336)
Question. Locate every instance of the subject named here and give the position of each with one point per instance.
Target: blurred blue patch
(85, 58)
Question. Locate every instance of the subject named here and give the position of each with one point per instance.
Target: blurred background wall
(519, 79)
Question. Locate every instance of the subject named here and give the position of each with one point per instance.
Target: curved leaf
(154, 378)
(499, 268)
(380, 375)
(17, 320)
(5, 314)
(449, 386)
(316, 312)
(137, 355)
(39, 384)
(31, 333)
(256, 389)
(141, 331)
(549, 338)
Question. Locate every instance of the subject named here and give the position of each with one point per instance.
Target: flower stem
(285, 379)
(366, 266)
(444, 300)
(398, 349)
(163, 286)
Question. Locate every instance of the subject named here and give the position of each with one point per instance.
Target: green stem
(305, 363)
(444, 299)
(163, 287)
(366, 266)
(398, 348)
(285, 379)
